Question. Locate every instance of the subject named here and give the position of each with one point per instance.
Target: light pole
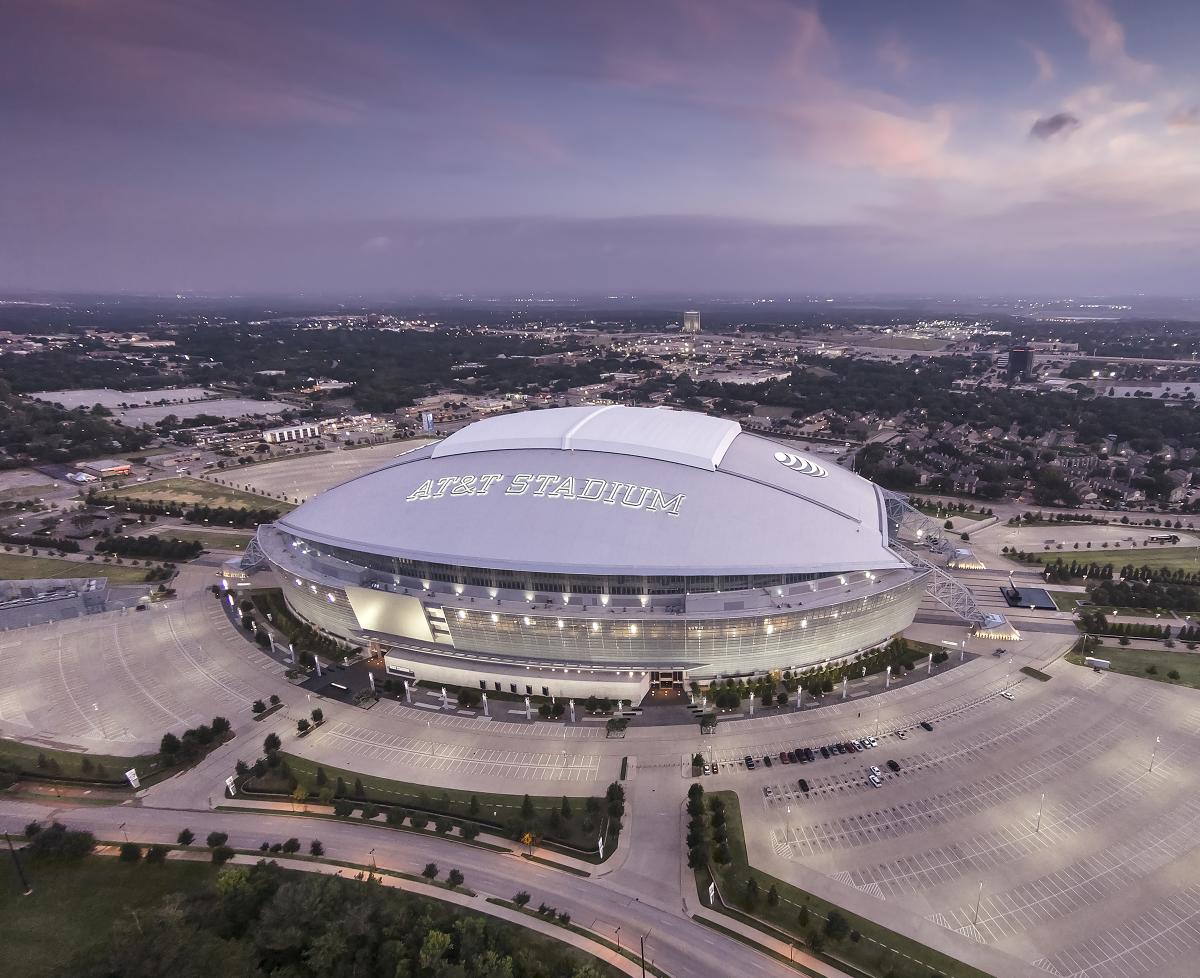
(1039, 818)
(978, 897)
(26, 889)
(643, 938)
(123, 832)
(618, 938)
(1153, 751)
(374, 868)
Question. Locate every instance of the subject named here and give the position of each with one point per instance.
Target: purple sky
(549, 145)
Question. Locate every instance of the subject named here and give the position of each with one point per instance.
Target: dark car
(749, 762)
(804, 785)
(840, 748)
(893, 766)
(766, 760)
(824, 751)
(792, 757)
(783, 758)
(926, 724)
(850, 748)
(810, 753)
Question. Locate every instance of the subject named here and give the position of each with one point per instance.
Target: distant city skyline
(687, 146)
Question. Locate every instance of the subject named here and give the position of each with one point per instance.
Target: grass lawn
(188, 492)
(942, 514)
(208, 539)
(402, 793)
(1134, 662)
(16, 756)
(75, 904)
(1185, 558)
(1067, 600)
(879, 951)
(15, 567)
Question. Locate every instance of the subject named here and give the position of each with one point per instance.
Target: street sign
(712, 893)
(131, 774)
(600, 843)
(231, 784)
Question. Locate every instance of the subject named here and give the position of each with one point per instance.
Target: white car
(875, 772)
(875, 782)
(1007, 695)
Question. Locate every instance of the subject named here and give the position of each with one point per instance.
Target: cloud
(1185, 117)
(1105, 36)
(895, 55)
(1042, 62)
(1060, 124)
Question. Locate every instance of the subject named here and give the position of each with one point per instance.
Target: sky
(617, 147)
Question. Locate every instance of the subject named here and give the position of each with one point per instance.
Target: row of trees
(1132, 593)
(156, 547)
(194, 742)
(1094, 622)
(224, 515)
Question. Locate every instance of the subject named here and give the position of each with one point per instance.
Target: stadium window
(512, 687)
(483, 684)
(528, 690)
(545, 690)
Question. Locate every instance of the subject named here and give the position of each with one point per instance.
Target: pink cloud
(1105, 36)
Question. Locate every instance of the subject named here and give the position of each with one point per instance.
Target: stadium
(598, 551)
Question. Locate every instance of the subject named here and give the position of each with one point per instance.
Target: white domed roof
(609, 490)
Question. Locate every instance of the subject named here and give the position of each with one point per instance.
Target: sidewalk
(301, 809)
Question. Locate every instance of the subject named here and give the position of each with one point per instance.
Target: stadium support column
(527, 714)
(485, 706)
(572, 705)
(888, 680)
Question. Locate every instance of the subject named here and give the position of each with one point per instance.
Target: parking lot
(1061, 826)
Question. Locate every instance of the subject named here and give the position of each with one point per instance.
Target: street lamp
(978, 897)
(123, 832)
(373, 866)
(618, 938)
(1039, 818)
(1153, 751)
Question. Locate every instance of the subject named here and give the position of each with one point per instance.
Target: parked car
(708, 769)
(749, 763)
(1007, 694)
(874, 781)
(893, 766)
(804, 785)
(824, 751)
(875, 771)
(783, 758)
(926, 724)
(766, 760)
(793, 757)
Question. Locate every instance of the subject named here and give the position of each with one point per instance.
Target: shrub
(258, 706)
(302, 726)
(131, 852)
(315, 848)
(222, 855)
(418, 821)
(342, 808)
(216, 839)
(430, 872)
(186, 837)
(1173, 675)
(156, 854)
(454, 878)
(291, 845)
(521, 898)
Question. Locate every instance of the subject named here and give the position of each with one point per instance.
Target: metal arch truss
(946, 590)
(925, 529)
(253, 557)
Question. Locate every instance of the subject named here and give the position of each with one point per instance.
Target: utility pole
(643, 937)
(26, 889)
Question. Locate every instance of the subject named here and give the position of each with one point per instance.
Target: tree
(565, 809)
(274, 699)
(271, 743)
(521, 898)
(169, 746)
(156, 854)
(318, 716)
(131, 852)
(836, 926)
(316, 848)
(430, 872)
(258, 706)
(292, 845)
(216, 839)
(302, 726)
(222, 855)
(527, 809)
(220, 726)
(186, 837)
(454, 878)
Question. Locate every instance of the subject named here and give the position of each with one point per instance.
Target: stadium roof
(614, 490)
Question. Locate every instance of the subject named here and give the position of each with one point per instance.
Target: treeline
(224, 515)
(1094, 622)
(159, 548)
(1146, 594)
(1061, 570)
(262, 920)
(194, 742)
(50, 543)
